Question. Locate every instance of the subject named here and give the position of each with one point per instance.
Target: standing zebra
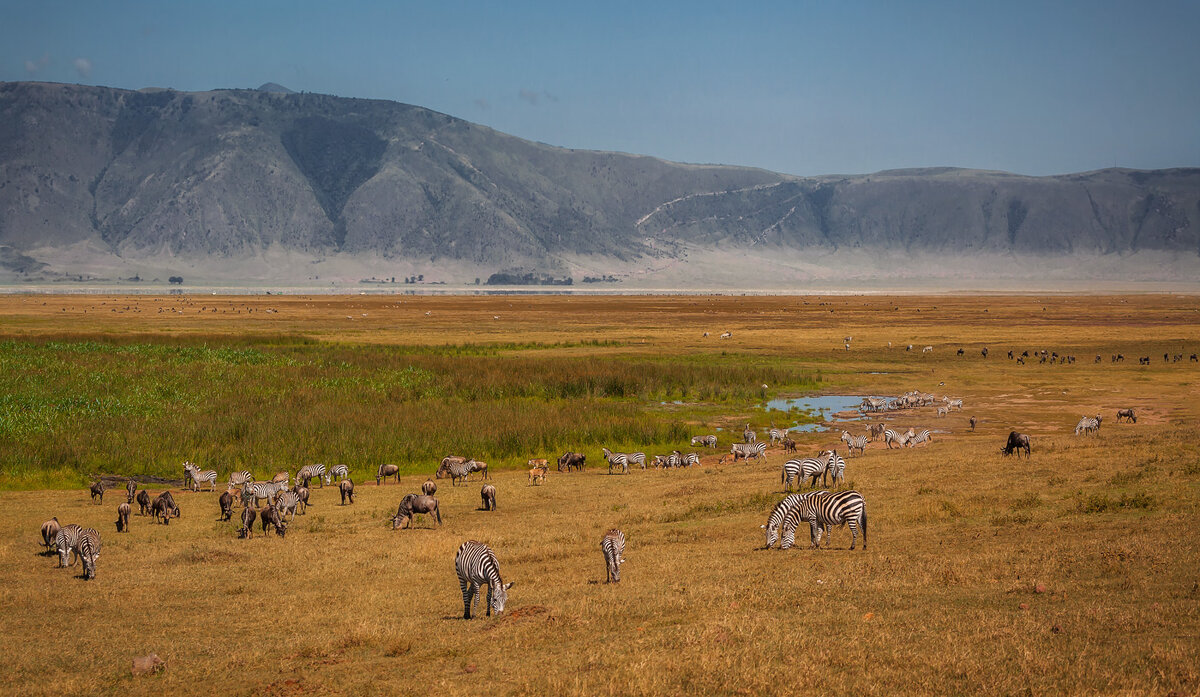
(748, 435)
(488, 495)
(890, 436)
(88, 550)
(253, 491)
(286, 502)
(339, 471)
(808, 468)
(824, 509)
(456, 469)
(613, 547)
(691, 459)
(65, 541)
(709, 441)
(130, 488)
(240, 478)
(955, 404)
(308, 472)
(1088, 425)
(475, 563)
(836, 468)
(854, 442)
(196, 476)
(619, 460)
(922, 436)
(748, 450)
(778, 434)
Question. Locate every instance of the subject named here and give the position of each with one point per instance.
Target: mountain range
(270, 185)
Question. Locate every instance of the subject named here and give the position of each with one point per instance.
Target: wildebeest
(429, 487)
(130, 488)
(1016, 442)
(97, 489)
(413, 504)
(346, 488)
(386, 471)
(270, 516)
(1126, 414)
(247, 529)
(972, 423)
(789, 445)
(488, 494)
(50, 530)
(481, 467)
(143, 499)
(283, 477)
(875, 431)
(123, 517)
(164, 508)
(227, 505)
(301, 493)
(984, 352)
(571, 460)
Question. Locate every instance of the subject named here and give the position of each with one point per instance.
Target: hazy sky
(799, 87)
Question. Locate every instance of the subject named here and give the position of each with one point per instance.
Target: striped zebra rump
(836, 469)
(476, 565)
(286, 502)
(691, 459)
(637, 459)
(88, 550)
(778, 434)
(674, 460)
(613, 547)
(922, 436)
(65, 542)
(890, 436)
(309, 472)
(825, 510)
(242, 478)
(459, 470)
(254, 491)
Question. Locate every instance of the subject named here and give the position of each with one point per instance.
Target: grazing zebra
(922, 436)
(247, 529)
(1126, 414)
(778, 434)
(488, 495)
(339, 471)
(308, 472)
(890, 436)
(823, 510)
(65, 541)
(253, 491)
(196, 475)
(691, 459)
(241, 478)
(475, 563)
(709, 441)
(286, 502)
(50, 530)
(748, 435)
(88, 550)
(1088, 425)
(123, 517)
(97, 489)
(836, 468)
(674, 460)
(619, 460)
(781, 511)
(748, 450)
(854, 442)
(429, 487)
(613, 547)
(386, 471)
(130, 489)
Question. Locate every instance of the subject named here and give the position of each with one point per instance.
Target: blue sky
(798, 87)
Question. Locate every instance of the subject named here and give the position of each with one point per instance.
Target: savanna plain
(1076, 571)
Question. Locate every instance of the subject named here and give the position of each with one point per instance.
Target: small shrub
(1030, 500)
(1101, 503)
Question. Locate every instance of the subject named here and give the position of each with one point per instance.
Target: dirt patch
(517, 614)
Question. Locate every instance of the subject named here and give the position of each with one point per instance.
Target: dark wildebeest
(1016, 442)
(130, 488)
(972, 423)
(1126, 414)
(429, 487)
(386, 471)
(961, 353)
(123, 517)
(488, 494)
(97, 489)
(412, 504)
(247, 529)
(789, 445)
(164, 508)
(570, 461)
(143, 499)
(984, 352)
(227, 505)
(346, 488)
(50, 530)
(270, 516)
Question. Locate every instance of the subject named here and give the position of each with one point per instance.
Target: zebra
(613, 547)
(748, 450)
(620, 460)
(130, 489)
(88, 550)
(287, 501)
(836, 468)
(691, 459)
(457, 469)
(674, 459)
(65, 542)
(955, 404)
(339, 471)
(808, 468)
(748, 435)
(308, 472)
(890, 436)
(854, 442)
(942, 411)
(475, 563)
(922, 436)
(778, 434)
(196, 475)
(823, 510)
(709, 441)
(781, 511)
(875, 431)
(241, 478)
(1088, 425)
(253, 491)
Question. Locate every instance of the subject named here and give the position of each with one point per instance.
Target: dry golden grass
(944, 600)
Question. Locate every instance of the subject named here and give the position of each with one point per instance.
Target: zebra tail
(864, 527)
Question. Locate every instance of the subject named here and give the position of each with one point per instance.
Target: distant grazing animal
(456, 468)
(247, 529)
(1193, 358)
(1088, 425)
(972, 423)
(88, 550)
(478, 466)
(942, 411)
(65, 541)
(488, 495)
(691, 459)
(961, 353)
(781, 510)
(890, 436)
(475, 563)
(1097, 358)
(789, 445)
(1144, 360)
(1016, 443)
(824, 509)
(227, 504)
(302, 494)
(164, 508)
(413, 504)
(386, 471)
(240, 478)
(50, 530)
(955, 404)
(253, 491)
(143, 499)
(537, 475)
(130, 488)
(808, 468)
(282, 478)
(1010, 355)
(709, 441)
(270, 516)
(727, 335)
(123, 517)
(854, 443)
(429, 487)
(612, 545)
(778, 434)
(346, 489)
(196, 476)
(927, 349)
(922, 436)
(748, 450)
(748, 435)
(875, 431)
(618, 460)
(308, 472)
(287, 502)
(338, 472)
(572, 460)
(1126, 414)
(97, 490)
(984, 352)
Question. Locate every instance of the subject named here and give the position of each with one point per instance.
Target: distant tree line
(527, 279)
